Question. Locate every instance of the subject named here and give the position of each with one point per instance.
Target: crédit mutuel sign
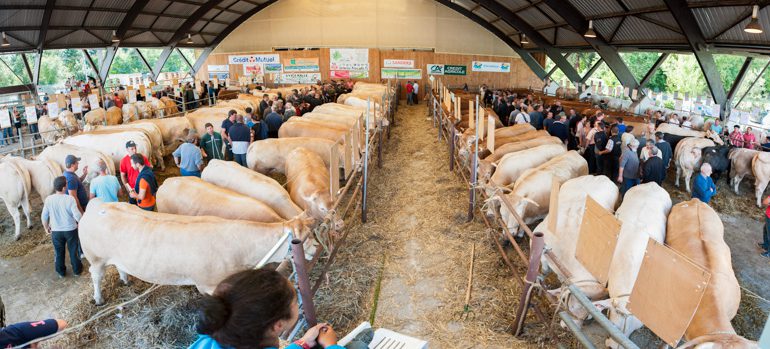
(248, 59)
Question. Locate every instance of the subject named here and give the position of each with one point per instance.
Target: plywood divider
(491, 134)
(334, 171)
(348, 148)
(599, 232)
(482, 124)
(667, 291)
(471, 116)
(553, 204)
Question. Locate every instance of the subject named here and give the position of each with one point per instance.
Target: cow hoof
(127, 283)
(99, 304)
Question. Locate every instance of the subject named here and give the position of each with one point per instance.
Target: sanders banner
(492, 67)
(398, 63)
(390, 73)
(300, 64)
(251, 59)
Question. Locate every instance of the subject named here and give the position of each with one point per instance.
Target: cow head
(486, 169)
(301, 228)
(519, 205)
(621, 317)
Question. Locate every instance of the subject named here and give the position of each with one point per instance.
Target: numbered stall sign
(5, 118)
(132, 96)
(53, 110)
(93, 100)
(30, 112)
(77, 105)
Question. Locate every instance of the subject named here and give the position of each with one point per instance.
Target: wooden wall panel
(520, 75)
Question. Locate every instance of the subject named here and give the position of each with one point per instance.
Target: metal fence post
(474, 165)
(451, 141)
(298, 254)
(534, 267)
(366, 165)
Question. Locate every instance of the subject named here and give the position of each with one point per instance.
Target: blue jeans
(68, 239)
(409, 99)
(7, 136)
(184, 172)
(628, 183)
(240, 158)
(766, 235)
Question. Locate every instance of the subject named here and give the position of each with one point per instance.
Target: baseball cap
(130, 144)
(70, 160)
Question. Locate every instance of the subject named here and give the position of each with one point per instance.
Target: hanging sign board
(349, 59)
(398, 63)
(30, 112)
(5, 118)
(77, 105)
(435, 69)
(131, 96)
(300, 65)
(493, 67)
(61, 100)
(410, 74)
(93, 100)
(252, 59)
(53, 110)
(218, 68)
(143, 91)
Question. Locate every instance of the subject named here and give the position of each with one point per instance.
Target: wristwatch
(301, 343)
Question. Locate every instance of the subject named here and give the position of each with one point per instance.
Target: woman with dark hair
(250, 309)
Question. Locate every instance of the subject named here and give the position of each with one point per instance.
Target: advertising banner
(93, 100)
(273, 68)
(298, 78)
(398, 63)
(300, 64)
(218, 68)
(354, 59)
(53, 110)
(348, 74)
(218, 75)
(252, 59)
(491, 67)
(252, 69)
(457, 69)
(435, 69)
(77, 105)
(5, 118)
(410, 74)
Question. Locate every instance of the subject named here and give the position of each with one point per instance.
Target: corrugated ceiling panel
(105, 35)
(215, 27)
(208, 38)
(485, 14)
(104, 19)
(181, 9)
(467, 4)
(548, 34)
(566, 37)
(737, 35)
(534, 17)
(168, 23)
(550, 12)
(197, 26)
(227, 17)
(713, 20)
(641, 4)
(211, 13)
(606, 27)
(156, 5)
(26, 35)
(242, 6)
(513, 4)
(116, 4)
(504, 27)
(144, 21)
(16, 18)
(69, 18)
(637, 30)
(24, 2)
(143, 38)
(78, 3)
(78, 38)
(164, 36)
(596, 7)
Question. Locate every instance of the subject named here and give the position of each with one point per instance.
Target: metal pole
(535, 253)
(451, 141)
(366, 165)
(298, 254)
(474, 164)
(379, 144)
(605, 323)
(581, 337)
(21, 143)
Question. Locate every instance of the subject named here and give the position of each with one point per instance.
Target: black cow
(673, 140)
(717, 157)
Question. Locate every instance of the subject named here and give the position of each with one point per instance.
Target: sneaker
(61, 276)
(762, 246)
(766, 254)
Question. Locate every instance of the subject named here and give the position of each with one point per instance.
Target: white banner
(253, 69)
(298, 78)
(218, 68)
(131, 96)
(5, 118)
(398, 63)
(435, 69)
(53, 110)
(349, 59)
(268, 58)
(93, 100)
(77, 105)
(493, 67)
(31, 114)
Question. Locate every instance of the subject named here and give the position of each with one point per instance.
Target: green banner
(454, 69)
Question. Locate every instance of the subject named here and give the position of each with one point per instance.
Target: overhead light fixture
(5, 41)
(189, 39)
(115, 37)
(590, 33)
(524, 39)
(753, 27)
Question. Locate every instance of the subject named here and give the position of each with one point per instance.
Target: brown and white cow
(270, 154)
(98, 116)
(307, 179)
(740, 165)
(174, 131)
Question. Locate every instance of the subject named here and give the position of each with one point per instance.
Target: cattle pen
(536, 304)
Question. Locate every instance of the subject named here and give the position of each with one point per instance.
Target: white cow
(42, 173)
(531, 194)
(14, 190)
(169, 249)
(89, 157)
(687, 157)
(152, 132)
(174, 131)
(512, 165)
(635, 230)
(113, 143)
(760, 165)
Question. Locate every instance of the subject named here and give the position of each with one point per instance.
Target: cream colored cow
(270, 154)
(14, 191)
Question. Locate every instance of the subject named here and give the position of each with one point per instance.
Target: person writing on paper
(250, 309)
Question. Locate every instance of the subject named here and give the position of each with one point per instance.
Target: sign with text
(218, 68)
(391, 73)
(348, 74)
(300, 64)
(398, 63)
(273, 67)
(77, 105)
(298, 78)
(93, 100)
(455, 69)
(53, 110)
(131, 96)
(435, 69)
(252, 59)
(354, 59)
(5, 118)
(30, 112)
(491, 67)
(253, 69)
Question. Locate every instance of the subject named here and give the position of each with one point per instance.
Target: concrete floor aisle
(417, 224)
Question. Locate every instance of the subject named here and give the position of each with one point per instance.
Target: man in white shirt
(416, 95)
(522, 117)
(60, 218)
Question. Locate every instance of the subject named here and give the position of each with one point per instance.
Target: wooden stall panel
(599, 232)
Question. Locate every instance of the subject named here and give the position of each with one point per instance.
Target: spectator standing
(646, 152)
(653, 169)
(289, 112)
(226, 123)
(105, 187)
(621, 126)
(560, 129)
(75, 186)
(273, 121)
(601, 139)
(60, 217)
(23, 332)
(703, 187)
(416, 93)
(628, 171)
(665, 151)
(263, 104)
(686, 123)
(117, 100)
(212, 144)
(765, 244)
(749, 140)
(240, 135)
(17, 121)
(716, 127)
(736, 138)
(615, 147)
(536, 117)
(549, 120)
(188, 157)
(409, 90)
(146, 185)
(128, 173)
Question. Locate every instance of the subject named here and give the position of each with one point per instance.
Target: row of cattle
(206, 229)
(523, 167)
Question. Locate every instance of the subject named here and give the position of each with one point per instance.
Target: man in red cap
(127, 172)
